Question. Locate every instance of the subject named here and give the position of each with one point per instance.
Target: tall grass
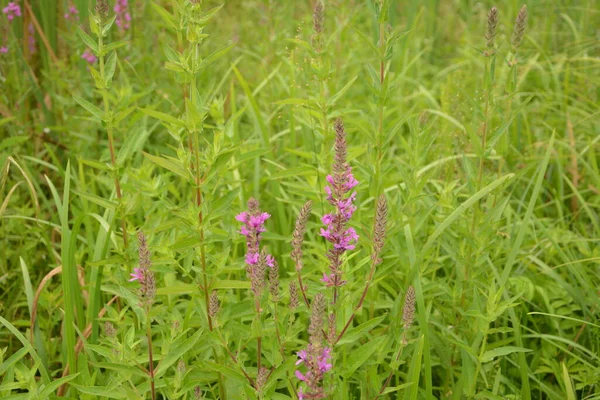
(486, 154)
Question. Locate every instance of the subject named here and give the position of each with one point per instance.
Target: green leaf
(111, 205)
(360, 356)
(501, 351)
(89, 106)
(211, 58)
(161, 116)
(331, 102)
(175, 353)
(91, 43)
(55, 385)
(462, 208)
(109, 69)
(165, 15)
(171, 164)
(112, 46)
(110, 392)
(356, 333)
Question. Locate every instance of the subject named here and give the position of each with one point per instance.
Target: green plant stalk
(396, 359)
(111, 145)
(259, 336)
(382, 46)
(150, 360)
(196, 168)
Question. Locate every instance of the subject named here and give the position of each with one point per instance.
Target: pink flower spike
(3, 49)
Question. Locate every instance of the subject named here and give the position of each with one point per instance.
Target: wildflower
(109, 329)
(379, 229)
(298, 235)
(316, 358)
(274, 281)
(253, 225)
(123, 17)
(12, 10)
(144, 274)
(89, 56)
(137, 275)
(72, 12)
(490, 34)
(294, 301)
(341, 182)
(102, 9)
(408, 312)
(3, 49)
(318, 16)
(519, 31)
(31, 38)
(213, 304)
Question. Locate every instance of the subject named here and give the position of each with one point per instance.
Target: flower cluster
(72, 12)
(31, 38)
(123, 20)
(12, 10)
(144, 274)
(341, 182)
(316, 358)
(89, 56)
(253, 225)
(257, 262)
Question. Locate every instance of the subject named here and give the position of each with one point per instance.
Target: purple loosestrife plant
(12, 10)
(253, 224)
(341, 182)
(121, 10)
(316, 358)
(144, 275)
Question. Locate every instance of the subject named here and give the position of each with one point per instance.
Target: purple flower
(317, 364)
(3, 49)
(137, 275)
(31, 39)
(123, 16)
(300, 375)
(72, 12)
(253, 226)
(301, 357)
(323, 361)
(12, 10)
(89, 56)
(328, 279)
(340, 184)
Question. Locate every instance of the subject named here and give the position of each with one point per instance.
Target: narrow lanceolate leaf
(109, 69)
(91, 43)
(176, 353)
(89, 106)
(171, 164)
(211, 58)
(501, 351)
(164, 117)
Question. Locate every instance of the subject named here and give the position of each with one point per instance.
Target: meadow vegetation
(262, 199)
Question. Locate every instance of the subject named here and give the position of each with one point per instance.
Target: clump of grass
(467, 268)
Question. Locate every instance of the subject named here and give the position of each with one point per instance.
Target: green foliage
(488, 161)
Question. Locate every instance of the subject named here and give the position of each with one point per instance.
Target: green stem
(111, 145)
(150, 360)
